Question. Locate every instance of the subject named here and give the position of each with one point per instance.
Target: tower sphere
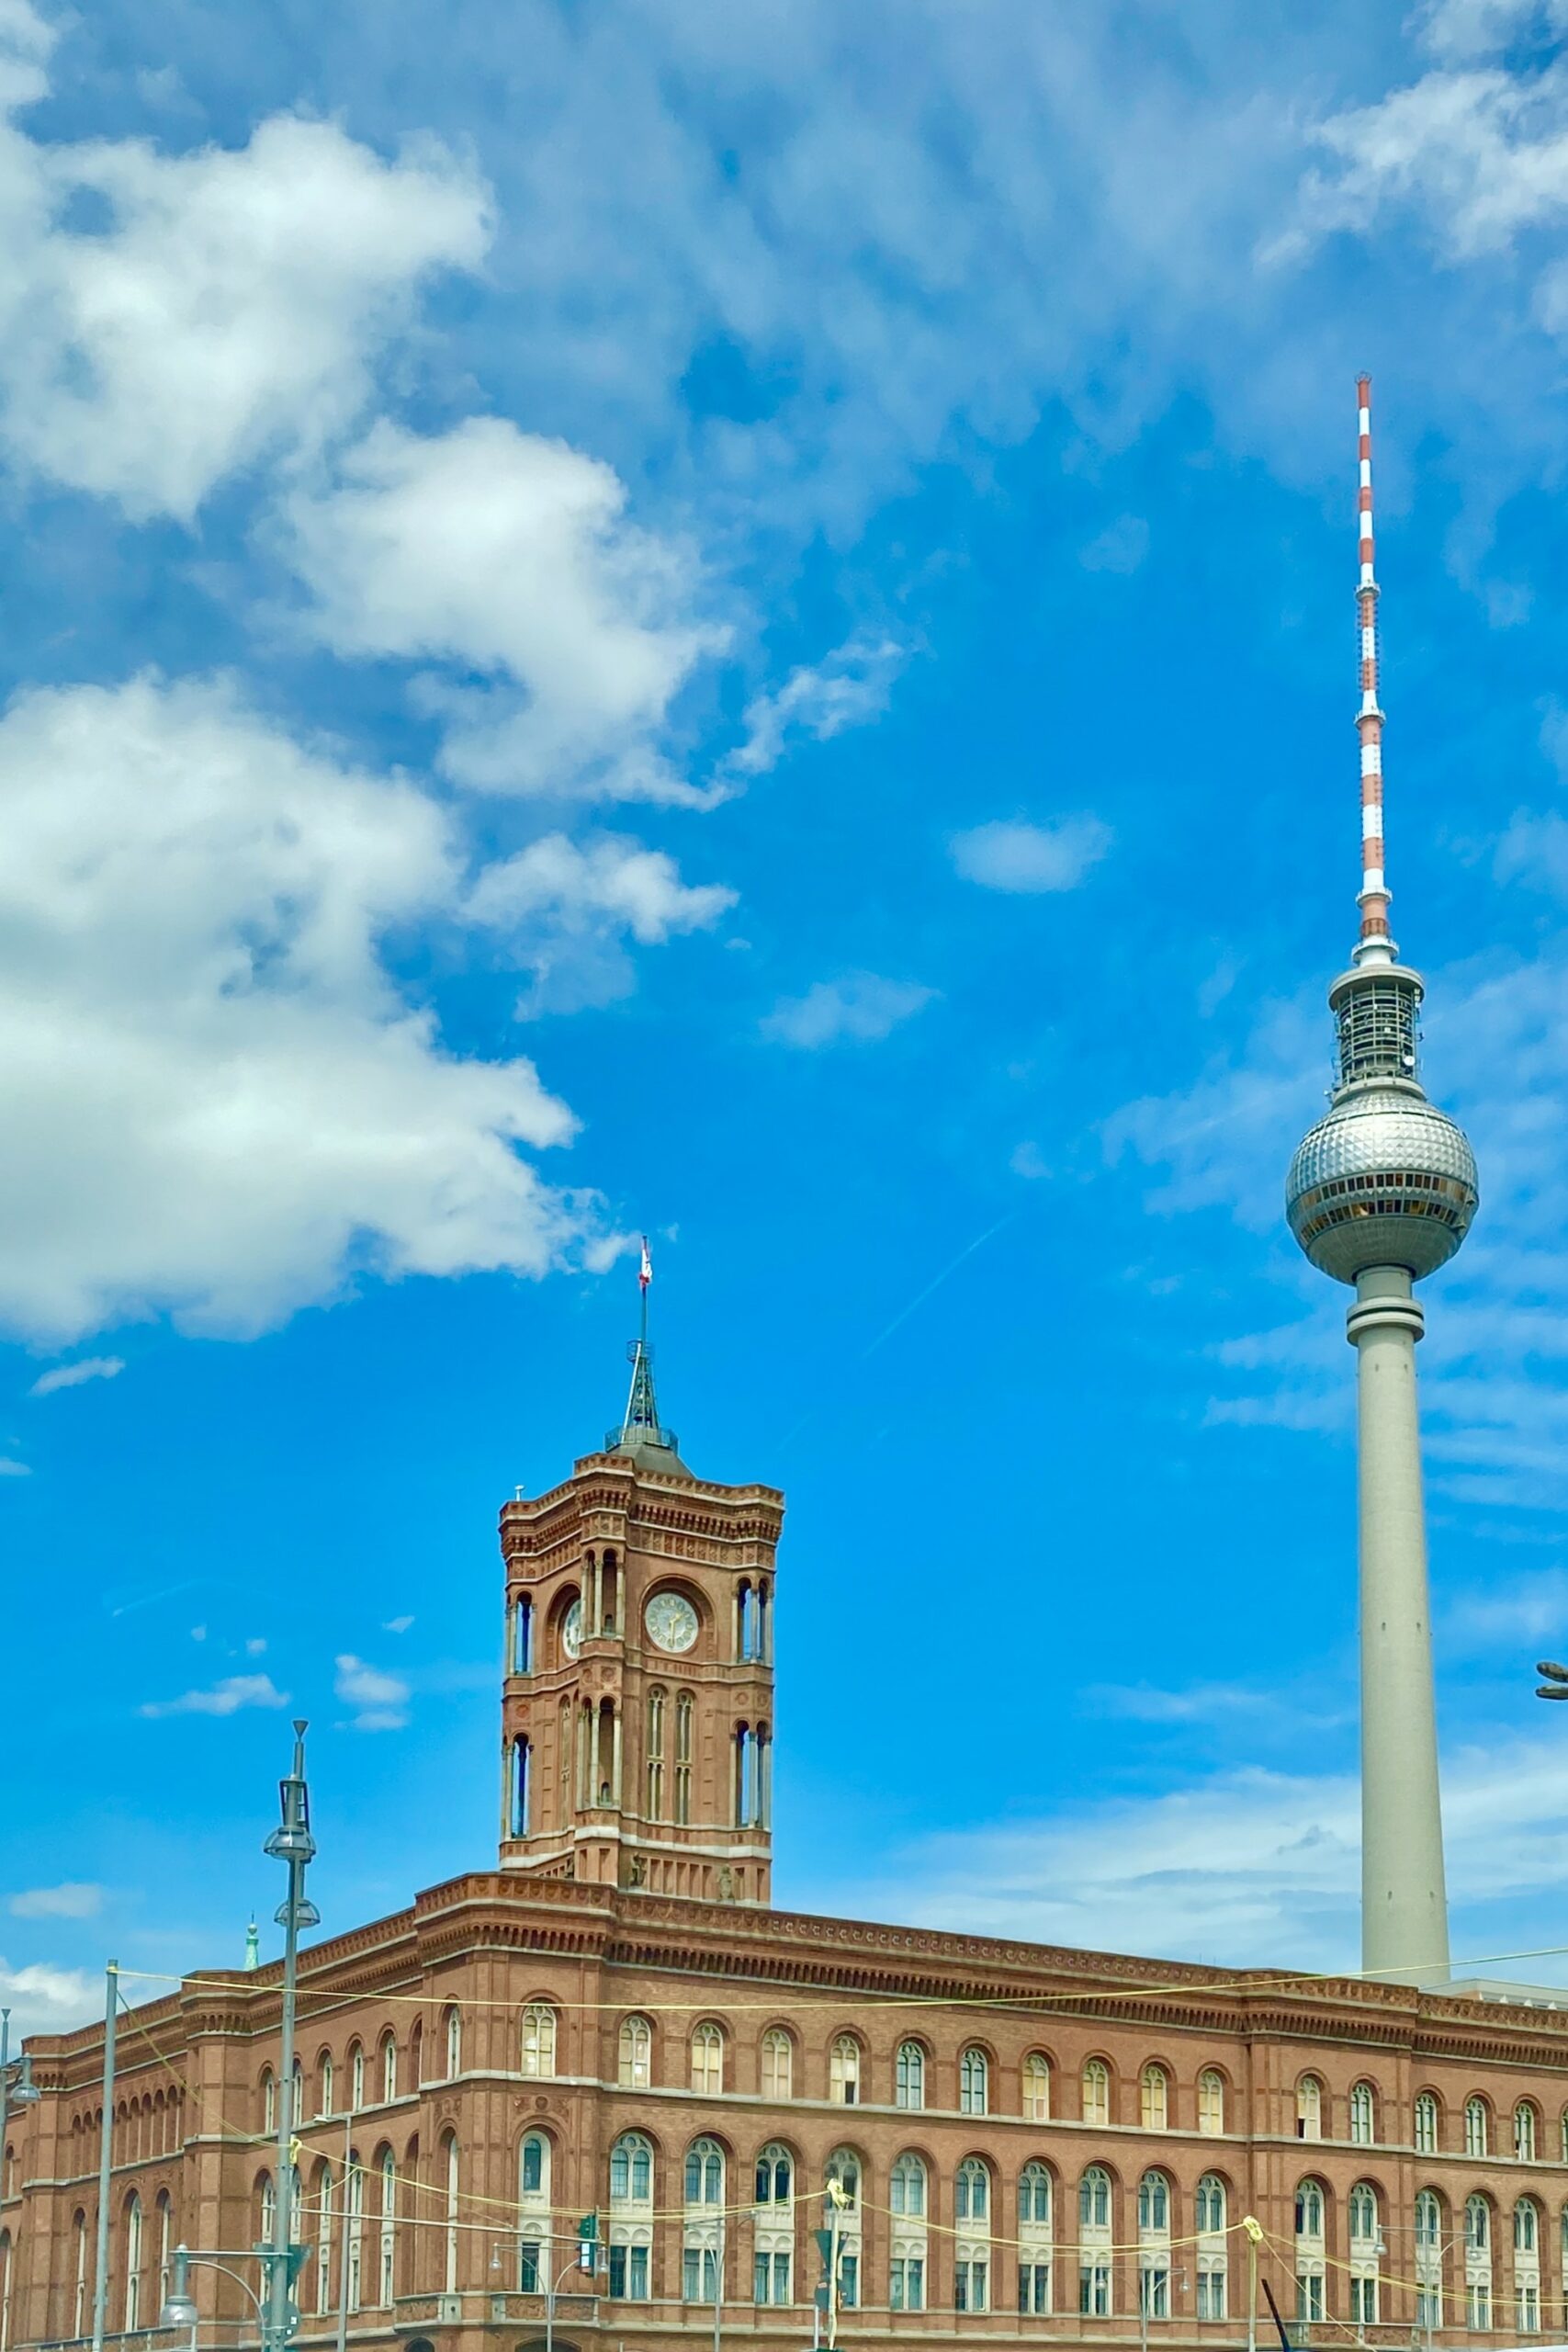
(1385, 1180)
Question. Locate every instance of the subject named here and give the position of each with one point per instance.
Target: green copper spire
(641, 1432)
(252, 1947)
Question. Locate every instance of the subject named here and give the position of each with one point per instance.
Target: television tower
(1382, 1193)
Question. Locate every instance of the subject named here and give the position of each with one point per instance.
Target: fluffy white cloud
(73, 1375)
(11, 1469)
(219, 1104)
(859, 1009)
(1017, 856)
(819, 701)
(380, 1698)
(511, 555)
(567, 905)
(75, 1900)
(43, 1999)
(227, 305)
(225, 1698)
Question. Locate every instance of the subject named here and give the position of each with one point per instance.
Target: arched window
(1309, 2109)
(387, 2250)
(356, 2077)
(1363, 2115)
(1477, 2224)
(707, 2060)
(1154, 2099)
(1524, 2133)
(1210, 2205)
(323, 2204)
(267, 2203)
(683, 1757)
(269, 2104)
(1154, 2204)
(1526, 2228)
(656, 1754)
(1364, 2210)
(324, 2083)
(538, 2052)
(1428, 2218)
(518, 1787)
(79, 2292)
(704, 2172)
(909, 2075)
(522, 1634)
(1036, 2088)
(453, 2042)
(132, 2265)
(452, 2169)
(906, 2187)
(778, 2063)
(534, 2169)
(1211, 2102)
(388, 2067)
(844, 2169)
(1094, 2199)
(1096, 2091)
(1426, 2124)
(973, 2082)
(297, 2105)
(1308, 2209)
(972, 2197)
(635, 2055)
(1034, 2193)
(1476, 2133)
(1366, 2249)
(631, 2170)
(843, 2071)
(775, 2175)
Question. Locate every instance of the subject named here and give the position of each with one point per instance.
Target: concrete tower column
(1403, 1900)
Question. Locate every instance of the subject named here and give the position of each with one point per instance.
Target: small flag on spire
(644, 1270)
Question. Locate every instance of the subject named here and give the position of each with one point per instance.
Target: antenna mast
(1374, 946)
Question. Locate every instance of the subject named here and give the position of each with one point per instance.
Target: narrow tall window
(1309, 2209)
(1426, 2124)
(684, 1709)
(1096, 2091)
(79, 2296)
(778, 2065)
(1475, 2134)
(1154, 2099)
(1309, 2109)
(1477, 2224)
(522, 1636)
(1094, 2199)
(1429, 2221)
(356, 2077)
(971, 2191)
(1363, 2213)
(270, 2105)
(133, 2266)
(1524, 2133)
(774, 2175)
(1033, 2194)
(1036, 2088)
(1363, 2115)
(1527, 2235)
(1209, 2206)
(386, 2263)
(906, 2187)
(656, 1754)
(704, 2172)
(1154, 2204)
(389, 2068)
(453, 2042)
(1210, 2101)
(538, 2039)
(973, 2083)
(518, 1788)
(843, 2071)
(909, 2075)
(635, 2054)
(707, 2061)
(631, 2170)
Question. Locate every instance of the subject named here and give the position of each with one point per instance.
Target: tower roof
(641, 1431)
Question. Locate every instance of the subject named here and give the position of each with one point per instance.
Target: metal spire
(641, 1429)
(1374, 946)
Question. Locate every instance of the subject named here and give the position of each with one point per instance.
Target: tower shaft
(1405, 1922)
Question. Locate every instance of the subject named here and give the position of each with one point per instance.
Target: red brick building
(1025, 2143)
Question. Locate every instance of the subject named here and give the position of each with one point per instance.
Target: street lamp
(18, 2094)
(179, 2305)
(1556, 1686)
(292, 1843)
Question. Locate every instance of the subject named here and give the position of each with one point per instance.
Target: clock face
(671, 1622)
(571, 1630)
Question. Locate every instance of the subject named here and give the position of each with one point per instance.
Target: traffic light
(588, 2242)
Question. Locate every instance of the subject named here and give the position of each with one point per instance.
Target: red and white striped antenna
(1374, 946)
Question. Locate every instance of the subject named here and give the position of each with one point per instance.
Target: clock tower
(638, 1705)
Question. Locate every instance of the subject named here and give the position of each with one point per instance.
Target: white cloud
(1017, 856)
(225, 1698)
(851, 686)
(860, 1008)
(11, 1469)
(256, 1646)
(397, 1624)
(73, 1900)
(228, 309)
(569, 904)
(43, 1999)
(1120, 548)
(219, 1104)
(511, 555)
(380, 1698)
(71, 1376)
(1468, 29)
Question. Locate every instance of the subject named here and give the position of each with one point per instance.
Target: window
(323, 2239)
(1309, 2295)
(1309, 2109)
(453, 2042)
(1309, 2209)
(1154, 2290)
(907, 2283)
(656, 1754)
(1154, 2099)
(268, 2209)
(518, 1788)
(1033, 2194)
(1364, 2299)
(843, 2171)
(707, 2060)
(704, 2172)
(843, 2071)
(1211, 2292)
(1426, 2124)
(770, 2277)
(1096, 2091)
(633, 2067)
(324, 2083)
(1478, 2303)
(386, 2263)
(538, 2052)
(631, 2170)
(628, 2273)
(906, 2187)
(971, 2285)
(1524, 2133)
(1475, 2134)
(354, 2185)
(1153, 2203)
(1429, 2221)
(1094, 2290)
(683, 1757)
(297, 2100)
(1034, 2288)
(974, 2078)
(909, 2075)
(849, 2280)
(1211, 2102)
(389, 2068)
(530, 2264)
(522, 1634)
(775, 2175)
(1036, 2088)
(778, 2065)
(1364, 2213)
(1210, 2205)
(699, 2274)
(269, 2104)
(1363, 2115)
(1477, 2224)
(133, 2266)
(1527, 2235)
(1527, 2305)
(1094, 2199)
(972, 2200)
(1429, 2307)
(534, 2167)
(356, 2077)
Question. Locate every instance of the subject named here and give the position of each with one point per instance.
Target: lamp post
(1555, 1685)
(21, 2094)
(290, 1843)
(179, 2305)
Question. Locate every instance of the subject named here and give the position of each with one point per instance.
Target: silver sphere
(1385, 1180)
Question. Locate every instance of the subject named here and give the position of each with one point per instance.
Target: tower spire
(641, 1431)
(1374, 946)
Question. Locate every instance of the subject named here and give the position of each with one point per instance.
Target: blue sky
(740, 622)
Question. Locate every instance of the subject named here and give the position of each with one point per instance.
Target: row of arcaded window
(1477, 2133)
